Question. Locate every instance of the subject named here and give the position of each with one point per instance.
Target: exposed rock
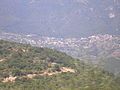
(1, 60)
(9, 79)
(31, 75)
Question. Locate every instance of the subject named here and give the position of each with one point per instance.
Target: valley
(100, 50)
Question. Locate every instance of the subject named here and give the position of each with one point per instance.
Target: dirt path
(46, 72)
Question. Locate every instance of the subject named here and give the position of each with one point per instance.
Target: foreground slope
(23, 67)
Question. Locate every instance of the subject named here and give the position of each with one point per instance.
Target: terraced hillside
(23, 67)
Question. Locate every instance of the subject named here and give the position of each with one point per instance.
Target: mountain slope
(23, 67)
(96, 49)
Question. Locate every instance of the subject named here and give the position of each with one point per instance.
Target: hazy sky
(64, 18)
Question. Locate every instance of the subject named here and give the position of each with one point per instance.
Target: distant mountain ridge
(61, 18)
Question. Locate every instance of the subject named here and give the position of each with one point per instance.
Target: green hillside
(23, 67)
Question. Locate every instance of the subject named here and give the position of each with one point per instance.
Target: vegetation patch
(24, 67)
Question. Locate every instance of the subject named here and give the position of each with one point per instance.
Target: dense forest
(23, 67)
